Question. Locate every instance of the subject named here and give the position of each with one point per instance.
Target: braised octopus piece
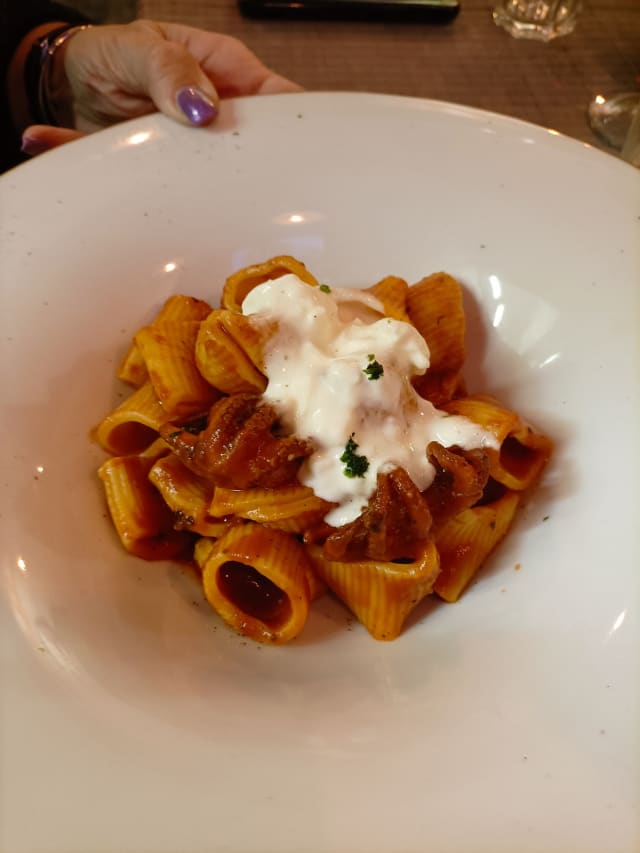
(239, 447)
(394, 526)
(461, 476)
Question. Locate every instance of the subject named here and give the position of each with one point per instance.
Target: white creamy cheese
(315, 364)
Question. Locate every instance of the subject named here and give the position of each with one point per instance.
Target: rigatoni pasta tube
(168, 350)
(205, 545)
(182, 309)
(187, 495)
(294, 508)
(392, 292)
(467, 539)
(238, 285)
(380, 594)
(142, 519)
(523, 452)
(256, 579)
(221, 360)
(132, 368)
(134, 425)
(435, 308)
(176, 309)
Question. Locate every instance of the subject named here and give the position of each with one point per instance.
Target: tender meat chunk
(395, 525)
(240, 446)
(461, 476)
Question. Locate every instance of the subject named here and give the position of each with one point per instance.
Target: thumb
(178, 86)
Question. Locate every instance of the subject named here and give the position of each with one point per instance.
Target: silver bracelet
(49, 48)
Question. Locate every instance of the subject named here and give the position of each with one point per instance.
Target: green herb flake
(325, 288)
(374, 369)
(354, 465)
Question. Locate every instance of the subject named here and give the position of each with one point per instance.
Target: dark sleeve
(17, 18)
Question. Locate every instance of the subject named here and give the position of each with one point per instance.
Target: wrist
(54, 91)
(19, 97)
(39, 76)
(55, 99)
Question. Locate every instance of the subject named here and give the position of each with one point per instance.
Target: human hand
(107, 74)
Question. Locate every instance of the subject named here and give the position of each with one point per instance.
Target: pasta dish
(303, 438)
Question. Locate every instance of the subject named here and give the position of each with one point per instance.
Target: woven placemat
(468, 61)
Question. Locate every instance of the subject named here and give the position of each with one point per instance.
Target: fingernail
(33, 146)
(197, 106)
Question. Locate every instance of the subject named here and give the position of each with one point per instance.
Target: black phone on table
(430, 11)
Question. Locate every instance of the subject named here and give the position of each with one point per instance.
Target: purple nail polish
(33, 146)
(197, 106)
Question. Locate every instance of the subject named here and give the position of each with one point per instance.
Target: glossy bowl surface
(132, 719)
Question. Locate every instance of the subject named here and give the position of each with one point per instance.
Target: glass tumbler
(616, 121)
(631, 148)
(537, 19)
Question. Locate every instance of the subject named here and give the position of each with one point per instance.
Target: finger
(41, 137)
(232, 67)
(177, 84)
(275, 84)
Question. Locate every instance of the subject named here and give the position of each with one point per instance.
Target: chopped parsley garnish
(374, 370)
(354, 465)
(325, 288)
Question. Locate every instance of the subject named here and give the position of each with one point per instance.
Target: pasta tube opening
(254, 594)
(255, 578)
(517, 459)
(130, 437)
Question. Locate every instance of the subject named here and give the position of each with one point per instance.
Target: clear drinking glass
(616, 120)
(537, 19)
(631, 148)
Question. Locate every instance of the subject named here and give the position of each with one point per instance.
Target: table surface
(468, 61)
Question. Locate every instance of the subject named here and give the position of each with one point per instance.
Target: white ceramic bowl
(132, 718)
